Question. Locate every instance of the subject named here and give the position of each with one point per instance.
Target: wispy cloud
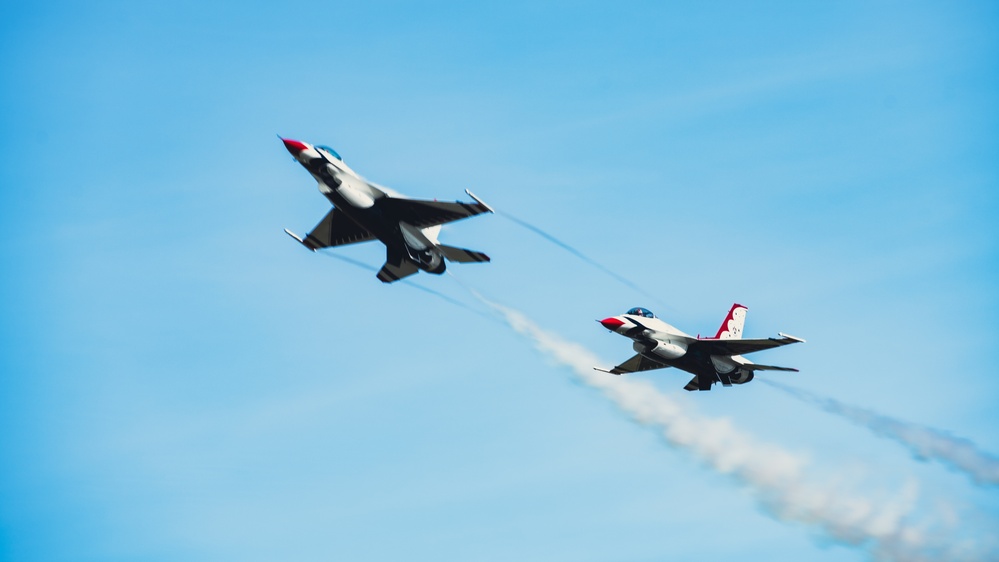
(925, 443)
(882, 525)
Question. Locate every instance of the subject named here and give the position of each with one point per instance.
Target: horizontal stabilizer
(462, 255)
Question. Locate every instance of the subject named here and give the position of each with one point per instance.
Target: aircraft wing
(335, 230)
(756, 367)
(636, 364)
(423, 214)
(713, 346)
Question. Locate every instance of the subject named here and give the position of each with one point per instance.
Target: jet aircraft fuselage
(363, 211)
(719, 359)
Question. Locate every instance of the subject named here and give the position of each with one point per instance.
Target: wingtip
(790, 337)
(480, 202)
(299, 239)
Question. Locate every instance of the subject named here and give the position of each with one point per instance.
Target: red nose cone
(611, 323)
(293, 146)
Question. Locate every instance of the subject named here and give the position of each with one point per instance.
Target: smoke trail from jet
(579, 255)
(881, 525)
(924, 442)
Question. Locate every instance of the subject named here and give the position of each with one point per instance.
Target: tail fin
(462, 255)
(396, 267)
(731, 328)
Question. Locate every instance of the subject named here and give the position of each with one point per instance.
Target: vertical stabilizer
(731, 328)
(396, 267)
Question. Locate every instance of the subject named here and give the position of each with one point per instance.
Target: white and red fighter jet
(363, 211)
(710, 360)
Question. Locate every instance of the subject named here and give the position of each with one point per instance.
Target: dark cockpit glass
(329, 151)
(639, 311)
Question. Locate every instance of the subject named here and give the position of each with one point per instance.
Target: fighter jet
(364, 211)
(710, 360)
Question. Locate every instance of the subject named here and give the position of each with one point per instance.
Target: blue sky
(180, 380)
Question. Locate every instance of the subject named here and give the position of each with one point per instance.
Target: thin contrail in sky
(881, 525)
(627, 282)
(924, 442)
(409, 283)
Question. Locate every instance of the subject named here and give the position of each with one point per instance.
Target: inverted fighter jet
(710, 360)
(363, 211)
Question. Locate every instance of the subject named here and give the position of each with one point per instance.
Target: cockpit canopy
(329, 151)
(639, 311)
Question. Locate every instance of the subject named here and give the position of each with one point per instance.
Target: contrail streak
(924, 442)
(776, 475)
(625, 281)
(407, 282)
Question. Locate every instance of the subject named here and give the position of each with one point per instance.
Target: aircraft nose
(611, 323)
(294, 146)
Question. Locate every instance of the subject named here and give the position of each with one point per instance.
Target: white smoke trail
(774, 474)
(924, 442)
